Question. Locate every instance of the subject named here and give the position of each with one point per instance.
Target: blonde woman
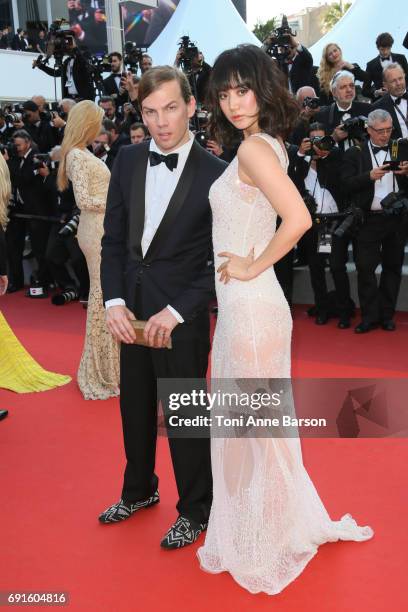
(98, 374)
(19, 372)
(332, 61)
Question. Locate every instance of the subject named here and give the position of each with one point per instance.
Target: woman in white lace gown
(267, 519)
(98, 372)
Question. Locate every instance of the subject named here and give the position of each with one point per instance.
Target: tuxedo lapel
(177, 200)
(137, 204)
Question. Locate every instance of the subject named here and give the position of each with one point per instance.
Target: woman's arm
(259, 166)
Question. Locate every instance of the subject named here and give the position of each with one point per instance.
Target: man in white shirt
(368, 180)
(396, 100)
(155, 253)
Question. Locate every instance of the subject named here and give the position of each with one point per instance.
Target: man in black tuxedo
(155, 253)
(75, 74)
(28, 191)
(367, 178)
(373, 85)
(20, 41)
(344, 107)
(396, 100)
(298, 66)
(112, 84)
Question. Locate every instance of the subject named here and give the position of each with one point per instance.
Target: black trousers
(139, 369)
(15, 237)
(381, 240)
(317, 266)
(284, 274)
(61, 249)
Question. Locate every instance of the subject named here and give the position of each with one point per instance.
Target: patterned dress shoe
(182, 533)
(123, 510)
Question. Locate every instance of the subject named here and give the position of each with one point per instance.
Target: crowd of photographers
(348, 158)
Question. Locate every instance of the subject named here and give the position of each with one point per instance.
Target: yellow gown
(19, 372)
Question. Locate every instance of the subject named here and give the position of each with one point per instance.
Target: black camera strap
(384, 162)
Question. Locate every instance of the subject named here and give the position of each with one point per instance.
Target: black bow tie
(378, 149)
(385, 59)
(171, 160)
(403, 97)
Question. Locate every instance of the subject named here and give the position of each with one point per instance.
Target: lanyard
(398, 110)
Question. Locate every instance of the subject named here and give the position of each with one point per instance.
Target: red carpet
(62, 459)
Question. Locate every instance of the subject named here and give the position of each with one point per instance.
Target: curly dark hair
(249, 66)
(384, 40)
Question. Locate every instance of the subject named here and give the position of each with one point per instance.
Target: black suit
(174, 271)
(374, 71)
(301, 72)
(199, 82)
(110, 88)
(80, 73)
(386, 103)
(331, 116)
(380, 240)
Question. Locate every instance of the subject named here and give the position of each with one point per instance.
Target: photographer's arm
(54, 72)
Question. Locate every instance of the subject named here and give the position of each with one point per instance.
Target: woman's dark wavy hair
(249, 66)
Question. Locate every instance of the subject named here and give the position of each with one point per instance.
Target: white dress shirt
(384, 186)
(160, 186)
(402, 108)
(323, 198)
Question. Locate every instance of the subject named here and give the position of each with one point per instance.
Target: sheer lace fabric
(98, 373)
(267, 519)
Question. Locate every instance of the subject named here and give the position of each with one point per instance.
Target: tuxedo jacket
(374, 71)
(80, 73)
(111, 89)
(29, 185)
(331, 117)
(355, 175)
(386, 103)
(174, 271)
(301, 73)
(327, 170)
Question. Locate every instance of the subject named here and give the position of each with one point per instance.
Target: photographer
(38, 127)
(74, 72)
(27, 179)
(138, 133)
(101, 145)
(60, 117)
(146, 63)
(373, 85)
(108, 104)
(62, 246)
(309, 105)
(113, 85)
(6, 131)
(316, 175)
(191, 61)
(368, 179)
(344, 108)
(117, 140)
(395, 101)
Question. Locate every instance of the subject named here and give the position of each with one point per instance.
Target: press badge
(324, 243)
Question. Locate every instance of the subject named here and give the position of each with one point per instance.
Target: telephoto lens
(70, 295)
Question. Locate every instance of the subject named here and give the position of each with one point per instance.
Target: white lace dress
(267, 519)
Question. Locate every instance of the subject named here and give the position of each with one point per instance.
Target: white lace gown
(267, 519)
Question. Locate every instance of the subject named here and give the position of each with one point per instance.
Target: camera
(133, 56)
(43, 160)
(398, 152)
(71, 227)
(278, 43)
(188, 51)
(9, 148)
(355, 127)
(69, 295)
(395, 203)
(353, 219)
(101, 150)
(324, 143)
(312, 103)
(310, 202)
(60, 40)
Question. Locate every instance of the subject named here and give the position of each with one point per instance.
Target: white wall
(18, 81)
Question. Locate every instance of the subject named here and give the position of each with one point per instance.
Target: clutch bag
(139, 326)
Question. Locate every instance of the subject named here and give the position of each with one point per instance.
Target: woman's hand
(236, 267)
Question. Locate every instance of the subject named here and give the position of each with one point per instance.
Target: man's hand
(320, 153)
(6, 155)
(44, 171)
(159, 327)
(118, 321)
(57, 122)
(305, 147)
(3, 284)
(339, 134)
(380, 92)
(308, 113)
(403, 169)
(376, 174)
(214, 147)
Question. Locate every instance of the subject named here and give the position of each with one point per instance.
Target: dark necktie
(403, 97)
(171, 160)
(378, 149)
